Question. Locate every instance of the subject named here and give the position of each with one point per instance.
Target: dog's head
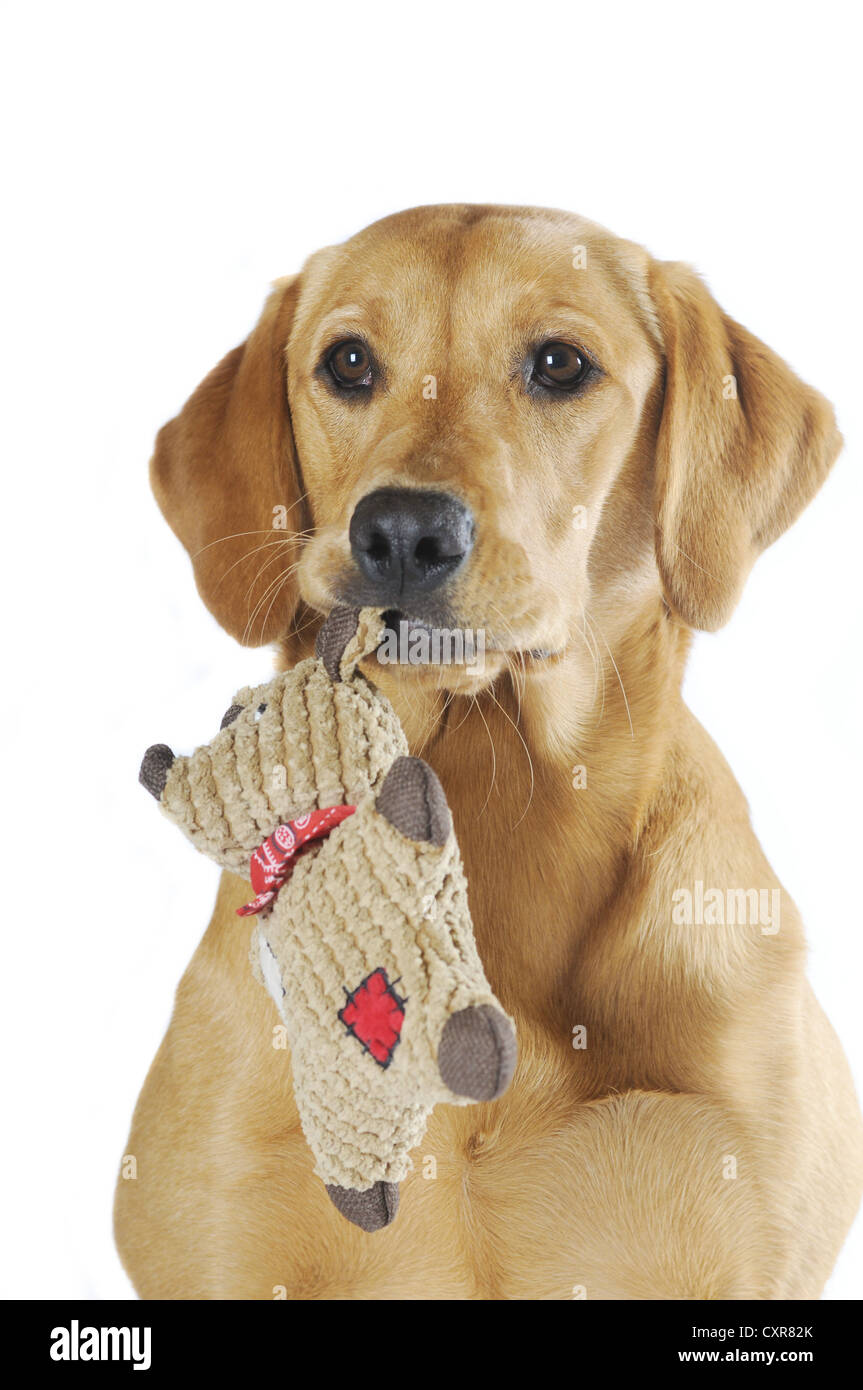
(495, 419)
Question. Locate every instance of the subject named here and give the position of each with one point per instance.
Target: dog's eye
(350, 365)
(560, 366)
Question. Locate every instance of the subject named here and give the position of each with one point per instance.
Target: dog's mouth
(412, 640)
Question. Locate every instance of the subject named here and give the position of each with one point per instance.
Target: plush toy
(363, 934)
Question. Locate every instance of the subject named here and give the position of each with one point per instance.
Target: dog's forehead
(459, 269)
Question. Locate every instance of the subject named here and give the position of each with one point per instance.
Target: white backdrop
(163, 162)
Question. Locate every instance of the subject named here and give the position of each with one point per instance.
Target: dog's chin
(437, 652)
(452, 678)
(461, 678)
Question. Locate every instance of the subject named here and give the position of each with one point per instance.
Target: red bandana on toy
(273, 862)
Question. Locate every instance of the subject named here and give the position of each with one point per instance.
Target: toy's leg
(375, 970)
(370, 1210)
(477, 1051)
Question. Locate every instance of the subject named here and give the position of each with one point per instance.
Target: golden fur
(607, 1168)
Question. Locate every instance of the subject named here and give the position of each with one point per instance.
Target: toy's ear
(226, 478)
(743, 446)
(348, 635)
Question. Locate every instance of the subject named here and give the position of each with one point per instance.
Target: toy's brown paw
(478, 1053)
(155, 767)
(412, 799)
(370, 1210)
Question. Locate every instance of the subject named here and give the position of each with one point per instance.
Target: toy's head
(319, 735)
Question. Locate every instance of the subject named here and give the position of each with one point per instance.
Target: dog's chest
(489, 1186)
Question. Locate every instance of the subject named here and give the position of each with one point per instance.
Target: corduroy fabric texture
(370, 900)
(317, 742)
(368, 951)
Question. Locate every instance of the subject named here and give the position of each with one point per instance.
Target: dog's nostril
(406, 541)
(379, 548)
(428, 551)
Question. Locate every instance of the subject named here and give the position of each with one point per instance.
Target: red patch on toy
(273, 862)
(374, 1014)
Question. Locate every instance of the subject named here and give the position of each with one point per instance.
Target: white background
(163, 162)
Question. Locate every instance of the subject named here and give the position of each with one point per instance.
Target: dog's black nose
(155, 767)
(408, 542)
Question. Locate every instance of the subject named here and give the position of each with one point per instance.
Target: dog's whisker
(619, 680)
(507, 716)
(434, 720)
(262, 571)
(509, 657)
(592, 645)
(291, 569)
(276, 593)
(466, 714)
(281, 541)
(235, 535)
(493, 755)
(310, 622)
(600, 665)
(279, 580)
(247, 556)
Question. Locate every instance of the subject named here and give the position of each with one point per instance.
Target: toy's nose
(155, 767)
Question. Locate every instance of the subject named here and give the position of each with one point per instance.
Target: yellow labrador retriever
(507, 421)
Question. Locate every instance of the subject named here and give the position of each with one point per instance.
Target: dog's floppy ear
(743, 446)
(226, 478)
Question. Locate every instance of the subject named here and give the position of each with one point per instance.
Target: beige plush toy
(363, 934)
